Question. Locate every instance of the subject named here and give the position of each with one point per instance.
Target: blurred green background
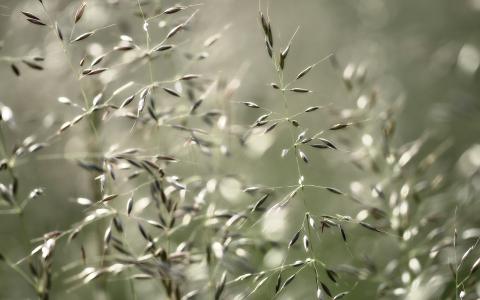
(422, 56)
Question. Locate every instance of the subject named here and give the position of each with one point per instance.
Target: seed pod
(64, 100)
(189, 77)
(173, 9)
(30, 15)
(143, 232)
(340, 295)
(328, 143)
(107, 236)
(15, 69)
(127, 101)
(161, 48)
(301, 136)
(262, 118)
(303, 156)
(36, 22)
(342, 231)
(251, 104)
(294, 239)
(334, 190)
(267, 29)
(79, 12)
(83, 36)
(264, 23)
(124, 48)
(118, 224)
(97, 60)
(195, 106)
(129, 205)
(332, 275)
(269, 48)
(59, 32)
(283, 57)
(271, 127)
(274, 85)
(221, 286)
(141, 105)
(174, 31)
(304, 72)
(96, 71)
(339, 126)
(475, 266)
(326, 289)
(32, 65)
(171, 92)
(306, 243)
(312, 108)
(319, 146)
(279, 283)
(369, 227)
(260, 202)
(211, 40)
(287, 282)
(298, 263)
(300, 90)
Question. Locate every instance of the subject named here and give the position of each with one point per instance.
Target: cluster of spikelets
(158, 206)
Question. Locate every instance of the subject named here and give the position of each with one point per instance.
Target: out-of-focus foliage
(156, 149)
